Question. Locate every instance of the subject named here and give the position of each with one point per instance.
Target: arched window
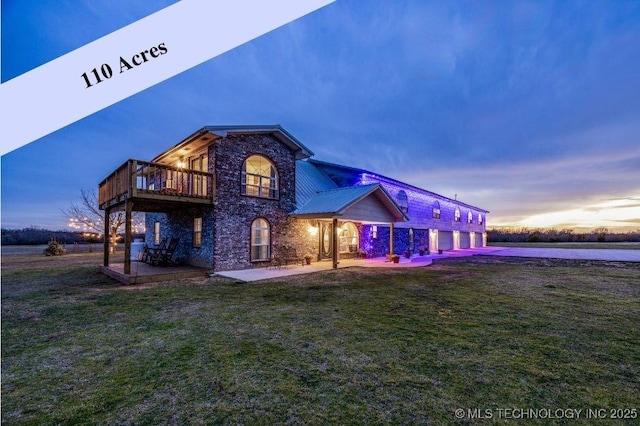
(436, 210)
(349, 238)
(260, 240)
(457, 215)
(470, 217)
(403, 201)
(259, 177)
(480, 218)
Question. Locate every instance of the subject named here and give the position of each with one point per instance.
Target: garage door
(465, 240)
(445, 240)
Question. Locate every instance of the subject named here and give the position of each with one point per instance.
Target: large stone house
(241, 197)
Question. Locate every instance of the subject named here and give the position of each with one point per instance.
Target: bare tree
(87, 216)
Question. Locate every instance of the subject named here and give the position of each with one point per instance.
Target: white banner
(132, 59)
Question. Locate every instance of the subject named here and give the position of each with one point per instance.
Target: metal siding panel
(369, 209)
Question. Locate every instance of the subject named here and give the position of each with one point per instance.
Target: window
(156, 233)
(348, 238)
(259, 178)
(436, 210)
(197, 232)
(374, 231)
(457, 215)
(260, 240)
(480, 218)
(470, 217)
(403, 201)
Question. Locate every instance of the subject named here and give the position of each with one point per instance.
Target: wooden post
(133, 178)
(391, 239)
(320, 253)
(106, 237)
(334, 244)
(127, 236)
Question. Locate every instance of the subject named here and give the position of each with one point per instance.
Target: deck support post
(391, 239)
(106, 237)
(127, 236)
(334, 243)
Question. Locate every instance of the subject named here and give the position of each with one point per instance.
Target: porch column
(334, 243)
(106, 237)
(391, 239)
(319, 225)
(128, 205)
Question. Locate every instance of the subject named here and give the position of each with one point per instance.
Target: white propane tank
(136, 249)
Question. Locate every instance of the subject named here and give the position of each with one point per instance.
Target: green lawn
(353, 346)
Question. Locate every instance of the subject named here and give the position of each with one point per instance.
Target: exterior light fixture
(313, 230)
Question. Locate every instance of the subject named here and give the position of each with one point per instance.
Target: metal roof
(359, 172)
(334, 202)
(309, 181)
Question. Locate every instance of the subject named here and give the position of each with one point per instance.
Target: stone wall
(179, 224)
(234, 212)
(378, 247)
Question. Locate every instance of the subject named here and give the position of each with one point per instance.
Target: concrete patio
(258, 274)
(143, 273)
(420, 261)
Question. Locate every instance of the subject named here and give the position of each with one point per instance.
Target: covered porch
(335, 213)
(142, 186)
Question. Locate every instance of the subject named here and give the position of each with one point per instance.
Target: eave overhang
(337, 204)
(208, 134)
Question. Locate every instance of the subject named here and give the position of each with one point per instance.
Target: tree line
(37, 236)
(550, 235)
(85, 215)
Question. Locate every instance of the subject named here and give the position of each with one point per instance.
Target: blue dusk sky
(529, 109)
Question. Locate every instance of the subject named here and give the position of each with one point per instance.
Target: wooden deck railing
(145, 180)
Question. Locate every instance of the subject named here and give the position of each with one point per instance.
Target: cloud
(522, 108)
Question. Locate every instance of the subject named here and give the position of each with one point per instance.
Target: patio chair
(163, 256)
(149, 252)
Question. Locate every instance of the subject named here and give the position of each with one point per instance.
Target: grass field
(619, 246)
(353, 346)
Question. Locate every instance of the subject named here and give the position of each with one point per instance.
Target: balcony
(155, 187)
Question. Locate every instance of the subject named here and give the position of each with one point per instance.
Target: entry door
(199, 182)
(326, 240)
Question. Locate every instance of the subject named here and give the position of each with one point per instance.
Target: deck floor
(145, 273)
